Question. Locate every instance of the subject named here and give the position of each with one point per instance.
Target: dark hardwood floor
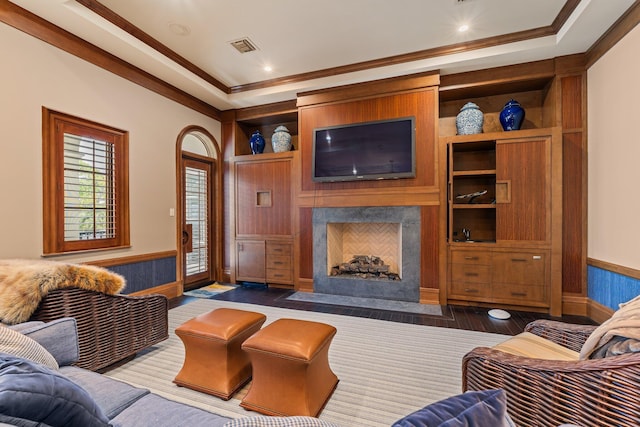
(458, 317)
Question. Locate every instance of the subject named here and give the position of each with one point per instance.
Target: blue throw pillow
(33, 393)
(473, 408)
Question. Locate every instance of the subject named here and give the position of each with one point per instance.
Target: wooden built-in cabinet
(504, 212)
(264, 261)
(262, 198)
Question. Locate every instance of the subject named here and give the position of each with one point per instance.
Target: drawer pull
(471, 274)
(518, 260)
(471, 258)
(278, 262)
(471, 291)
(518, 294)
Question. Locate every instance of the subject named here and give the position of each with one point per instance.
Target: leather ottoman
(291, 372)
(214, 362)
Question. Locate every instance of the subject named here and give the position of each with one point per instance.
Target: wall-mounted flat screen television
(383, 149)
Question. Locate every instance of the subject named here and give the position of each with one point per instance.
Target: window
(85, 184)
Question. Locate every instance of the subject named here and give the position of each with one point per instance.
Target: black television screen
(382, 149)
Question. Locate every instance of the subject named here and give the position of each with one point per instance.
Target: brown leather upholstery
(291, 372)
(214, 362)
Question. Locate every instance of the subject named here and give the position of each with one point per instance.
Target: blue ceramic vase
(257, 142)
(469, 120)
(512, 116)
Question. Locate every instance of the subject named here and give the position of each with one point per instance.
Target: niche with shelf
(245, 127)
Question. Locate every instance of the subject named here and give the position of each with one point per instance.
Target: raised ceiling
(312, 44)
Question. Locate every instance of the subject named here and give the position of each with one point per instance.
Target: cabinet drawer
(279, 276)
(279, 262)
(471, 257)
(279, 248)
(522, 294)
(470, 290)
(519, 268)
(470, 273)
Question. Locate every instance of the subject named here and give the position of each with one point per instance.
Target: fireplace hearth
(342, 237)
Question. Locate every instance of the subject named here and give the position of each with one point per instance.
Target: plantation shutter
(89, 196)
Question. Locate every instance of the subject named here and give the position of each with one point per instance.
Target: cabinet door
(250, 261)
(263, 198)
(523, 189)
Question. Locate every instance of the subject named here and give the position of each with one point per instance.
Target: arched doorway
(199, 201)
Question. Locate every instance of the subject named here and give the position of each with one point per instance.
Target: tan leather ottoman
(214, 362)
(291, 372)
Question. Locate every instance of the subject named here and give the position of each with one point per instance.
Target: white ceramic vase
(281, 140)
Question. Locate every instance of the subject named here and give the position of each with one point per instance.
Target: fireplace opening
(364, 250)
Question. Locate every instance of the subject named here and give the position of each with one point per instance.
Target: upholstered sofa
(39, 386)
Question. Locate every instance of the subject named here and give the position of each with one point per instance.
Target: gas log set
(365, 267)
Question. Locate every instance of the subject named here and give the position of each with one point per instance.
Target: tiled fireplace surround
(401, 221)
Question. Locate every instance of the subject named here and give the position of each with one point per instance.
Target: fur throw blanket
(24, 283)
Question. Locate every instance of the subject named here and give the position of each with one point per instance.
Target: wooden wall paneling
(421, 104)
(430, 247)
(574, 182)
(228, 138)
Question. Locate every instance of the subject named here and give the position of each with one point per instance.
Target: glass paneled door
(196, 227)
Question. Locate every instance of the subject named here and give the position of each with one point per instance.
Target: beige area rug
(386, 369)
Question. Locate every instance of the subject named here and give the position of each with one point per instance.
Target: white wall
(34, 74)
(614, 154)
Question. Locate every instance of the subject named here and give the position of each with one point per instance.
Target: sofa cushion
(59, 337)
(112, 396)
(265, 421)
(156, 411)
(530, 345)
(31, 392)
(20, 345)
(473, 408)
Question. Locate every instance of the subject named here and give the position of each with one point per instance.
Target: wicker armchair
(110, 327)
(598, 392)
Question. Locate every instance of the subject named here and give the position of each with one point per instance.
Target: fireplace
(391, 234)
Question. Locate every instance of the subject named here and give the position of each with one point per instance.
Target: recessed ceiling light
(267, 68)
(462, 28)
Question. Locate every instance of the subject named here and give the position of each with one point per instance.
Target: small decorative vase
(469, 120)
(257, 142)
(512, 116)
(281, 140)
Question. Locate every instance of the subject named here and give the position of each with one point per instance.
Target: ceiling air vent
(244, 45)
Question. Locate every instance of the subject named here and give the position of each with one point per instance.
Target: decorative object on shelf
(469, 120)
(471, 196)
(257, 142)
(281, 140)
(512, 116)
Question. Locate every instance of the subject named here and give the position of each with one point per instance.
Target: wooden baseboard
(429, 296)
(598, 312)
(304, 285)
(170, 290)
(575, 305)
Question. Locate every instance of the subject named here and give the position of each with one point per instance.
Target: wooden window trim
(53, 178)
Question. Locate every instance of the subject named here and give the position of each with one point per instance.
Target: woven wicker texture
(599, 392)
(110, 327)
